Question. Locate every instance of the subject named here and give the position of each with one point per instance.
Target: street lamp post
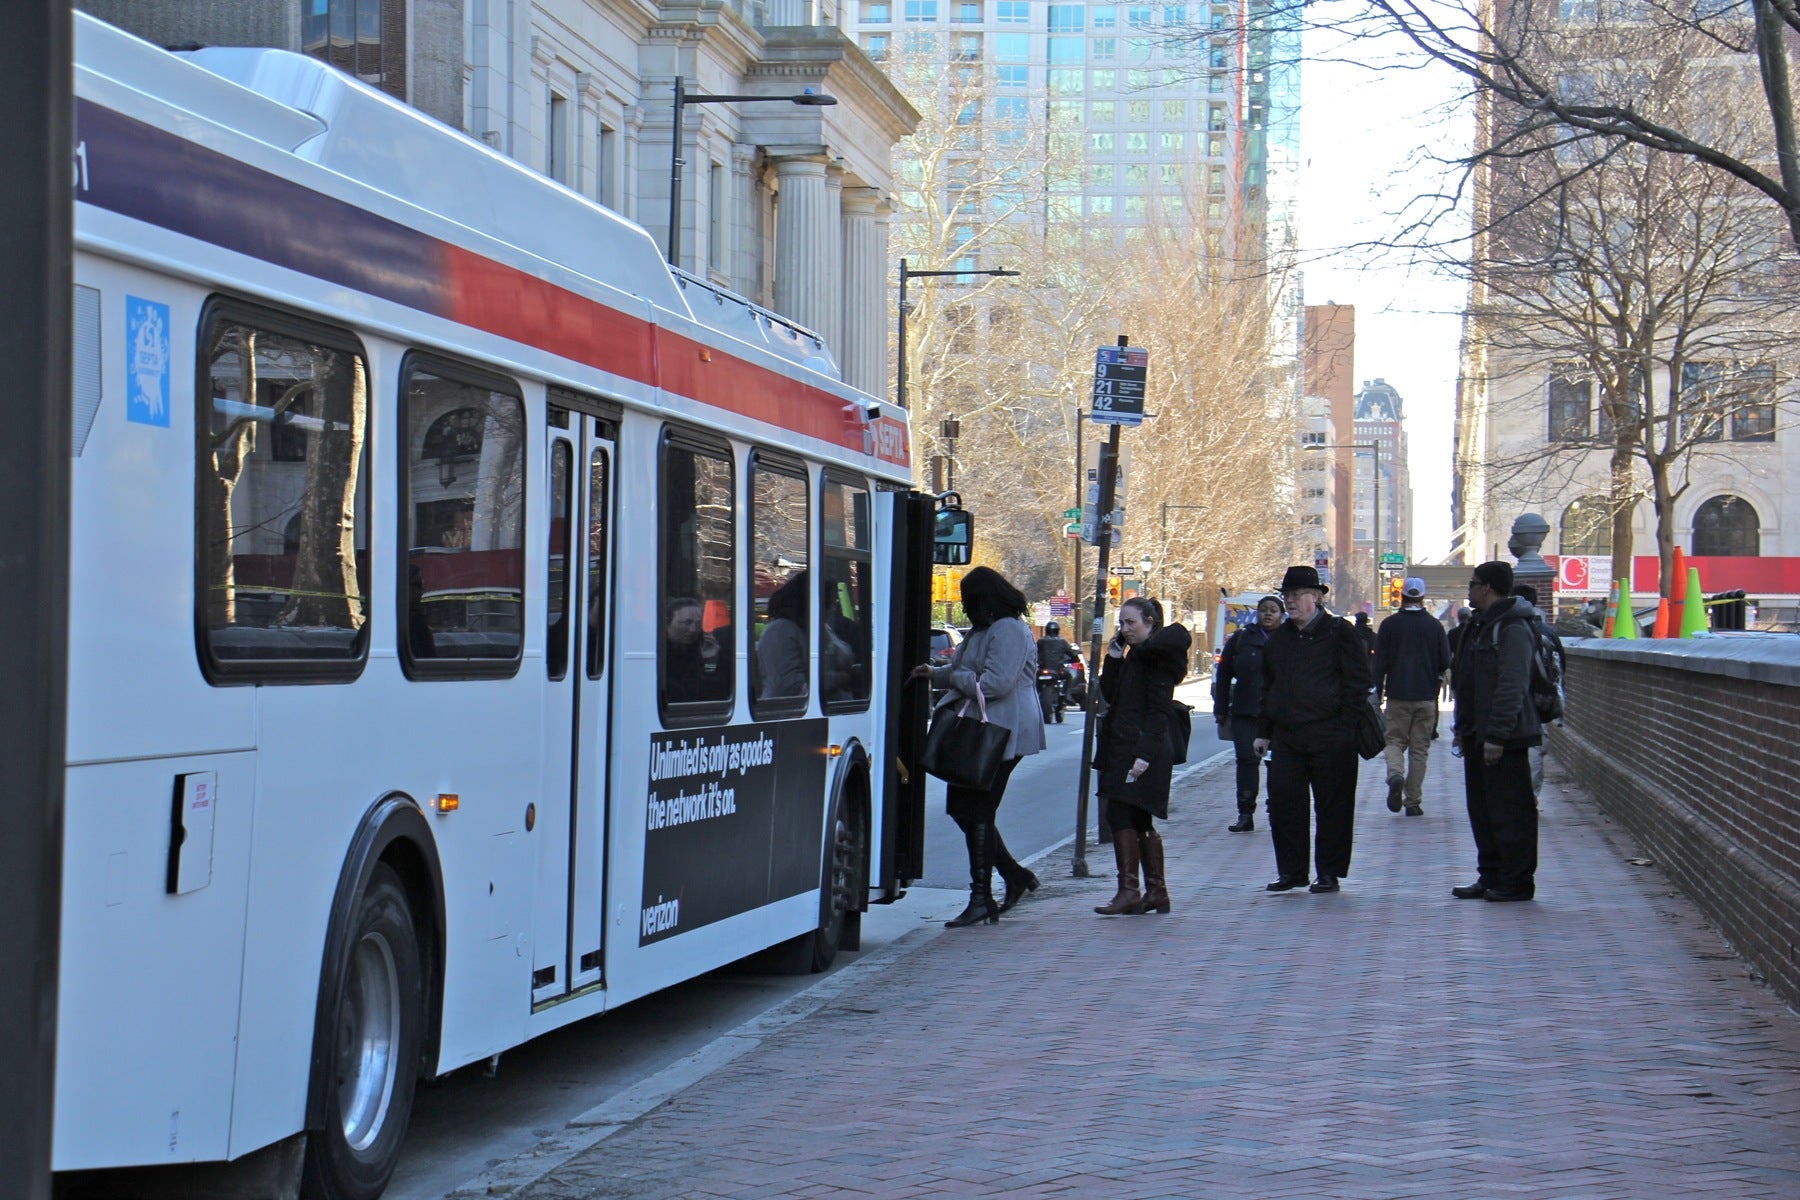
(807, 98)
(1374, 449)
(907, 273)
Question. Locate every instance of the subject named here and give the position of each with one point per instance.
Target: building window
(1105, 81)
(1699, 402)
(1754, 420)
(364, 38)
(1587, 526)
(1137, 143)
(875, 45)
(1100, 206)
(1102, 176)
(1012, 12)
(1137, 112)
(877, 14)
(1173, 142)
(1066, 18)
(1134, 208)
(968, 47)
(967, 14)
(920, 11)
(1065, 50)
(1102, 143)
(1012, 47)
(1104, 16)
(1104, 49)
(1727, 525)
(1064, 82)
(1103, 112)
(1571, 404)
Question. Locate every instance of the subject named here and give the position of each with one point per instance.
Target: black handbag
(966, 751)
(1371, 730)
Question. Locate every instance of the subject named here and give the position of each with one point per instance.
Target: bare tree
(1641, 275)
(1518, 53)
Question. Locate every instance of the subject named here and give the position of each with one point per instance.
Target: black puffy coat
(1237, 683)
(1140, 690)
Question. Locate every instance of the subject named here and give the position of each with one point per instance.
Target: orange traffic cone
(1660, 628)
(1677, 591)
(1612, 609)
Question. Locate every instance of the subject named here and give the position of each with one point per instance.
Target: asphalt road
(470, 1121)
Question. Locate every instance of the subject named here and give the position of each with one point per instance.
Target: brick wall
(1694, 746)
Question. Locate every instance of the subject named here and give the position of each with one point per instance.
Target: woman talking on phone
(1143, 663)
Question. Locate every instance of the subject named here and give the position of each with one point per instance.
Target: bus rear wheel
(369, 1050)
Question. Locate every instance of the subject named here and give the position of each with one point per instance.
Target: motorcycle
(1053, 692)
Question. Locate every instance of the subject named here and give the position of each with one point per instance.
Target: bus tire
(840, 884)
(370, 1047)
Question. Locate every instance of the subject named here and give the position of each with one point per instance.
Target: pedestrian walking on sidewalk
(1136, 757)
(999, 656)
(1412, 655)
(1236, 694)
(1464, 614)
(1497, 723)
(1315, 673)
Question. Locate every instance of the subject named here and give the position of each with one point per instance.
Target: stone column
(863, 351)
(746, 257)
(788, 12)
(835, 329)
(805, 226)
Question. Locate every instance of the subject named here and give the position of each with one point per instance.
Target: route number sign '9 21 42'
(1119, 373)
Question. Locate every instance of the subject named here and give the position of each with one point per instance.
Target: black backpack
(1546, 676)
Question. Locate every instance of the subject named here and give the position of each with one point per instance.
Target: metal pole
(1103, 510)
(35, 86)
(1375, 528)
(900, 338)
(675, 161)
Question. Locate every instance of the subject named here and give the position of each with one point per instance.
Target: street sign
(1393, 560)
(1072, 529)
(1321, 562)
(1062, 606)
(1071, 514)
(1124, 572)
(1119, 374)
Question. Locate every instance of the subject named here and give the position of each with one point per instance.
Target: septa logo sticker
(146, 362)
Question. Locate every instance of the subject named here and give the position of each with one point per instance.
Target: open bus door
(926, 530)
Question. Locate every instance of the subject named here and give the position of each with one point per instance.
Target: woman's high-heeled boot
(981, 880)
(1018, 878)
(1156, 892)
(1128, 899)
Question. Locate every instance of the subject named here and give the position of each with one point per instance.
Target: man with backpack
(1497, 723)
(1552, 640)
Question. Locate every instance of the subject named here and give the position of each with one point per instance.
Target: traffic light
(1393, 590)
(937, 587)
(1113, 588)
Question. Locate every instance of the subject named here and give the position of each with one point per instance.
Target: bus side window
(282, 570)
(845, 579)
(462, 520)
(696, 579)
(780, 593)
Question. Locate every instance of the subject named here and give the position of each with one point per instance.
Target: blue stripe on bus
(154, 176)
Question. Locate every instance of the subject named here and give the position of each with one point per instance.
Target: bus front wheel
(368, 1049)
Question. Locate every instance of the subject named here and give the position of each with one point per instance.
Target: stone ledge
(1762, 657)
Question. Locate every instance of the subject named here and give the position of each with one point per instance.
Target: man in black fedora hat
(1315, 673)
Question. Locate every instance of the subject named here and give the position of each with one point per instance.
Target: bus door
(568, 924)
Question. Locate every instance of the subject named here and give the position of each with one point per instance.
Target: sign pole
(1103, 531)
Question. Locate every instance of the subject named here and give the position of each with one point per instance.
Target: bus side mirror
(952, 536)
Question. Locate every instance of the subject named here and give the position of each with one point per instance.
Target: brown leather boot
(1128, 899)
(1156, 893)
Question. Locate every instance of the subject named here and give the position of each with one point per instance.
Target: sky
(1367, 141)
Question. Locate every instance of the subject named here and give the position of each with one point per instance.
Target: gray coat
(1003, 659)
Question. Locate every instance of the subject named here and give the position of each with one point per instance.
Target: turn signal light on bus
(834, 750)
(446, 802)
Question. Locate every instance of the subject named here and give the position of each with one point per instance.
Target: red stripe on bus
(505, 301)
(509, 303)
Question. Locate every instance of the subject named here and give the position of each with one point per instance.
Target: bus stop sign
(1119, 373)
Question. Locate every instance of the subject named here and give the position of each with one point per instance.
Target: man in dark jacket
(1237, 694)
(1496, 724)
(1315, 673)
(1411, 656)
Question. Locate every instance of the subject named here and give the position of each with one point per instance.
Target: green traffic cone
(1625, 624)
(1693, 613)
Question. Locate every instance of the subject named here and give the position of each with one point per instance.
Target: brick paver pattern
(1385, 1042)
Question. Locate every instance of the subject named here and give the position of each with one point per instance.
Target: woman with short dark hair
(999, 657)
(1144, 662)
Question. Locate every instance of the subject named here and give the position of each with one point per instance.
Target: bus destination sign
(1119, 373)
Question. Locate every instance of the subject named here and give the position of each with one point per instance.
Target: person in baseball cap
(1412, 656)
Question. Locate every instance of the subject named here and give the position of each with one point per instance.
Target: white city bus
(474, 624)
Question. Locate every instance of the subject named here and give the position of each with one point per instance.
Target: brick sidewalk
(1388, 1041)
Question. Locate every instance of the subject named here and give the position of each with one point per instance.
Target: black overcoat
(1140, 690)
